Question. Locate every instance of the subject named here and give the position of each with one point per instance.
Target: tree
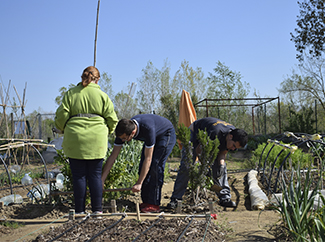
(308, 85)
(62, 90)
(301, 121)
(191, 80)
(125, 106)
(310, 33)
(148, 94)
(226, 84)
(105, 83)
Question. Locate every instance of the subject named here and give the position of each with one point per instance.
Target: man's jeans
(151, 187)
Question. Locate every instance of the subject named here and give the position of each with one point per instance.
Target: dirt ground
(43, 223)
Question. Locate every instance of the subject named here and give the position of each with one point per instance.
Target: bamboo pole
(14, 139)
(95, 45)
(66, 217)
(106, 190)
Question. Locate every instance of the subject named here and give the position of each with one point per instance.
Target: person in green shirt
(86, 116)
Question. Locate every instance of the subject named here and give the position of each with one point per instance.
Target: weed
(13, 225)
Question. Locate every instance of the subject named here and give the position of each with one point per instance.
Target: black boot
(227, 203)
(172, 204)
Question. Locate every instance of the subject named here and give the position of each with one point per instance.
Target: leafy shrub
(279, 153)
(303, 222)
(256, 140)
(198, 171)
(124, 172)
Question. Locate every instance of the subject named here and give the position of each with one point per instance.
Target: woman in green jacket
(86, 116)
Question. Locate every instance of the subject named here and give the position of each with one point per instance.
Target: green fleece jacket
(85, 138)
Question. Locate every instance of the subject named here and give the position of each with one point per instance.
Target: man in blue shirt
(159, 139)
(230, 138)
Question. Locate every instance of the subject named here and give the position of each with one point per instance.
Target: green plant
(254, 141)
(198, 171)
(124, 172)
(278, 154)
(63, 162)
(303, 222)
(13, 225)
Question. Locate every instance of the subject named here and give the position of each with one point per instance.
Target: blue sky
(47, 44)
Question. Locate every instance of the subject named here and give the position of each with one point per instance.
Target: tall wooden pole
(95, 45)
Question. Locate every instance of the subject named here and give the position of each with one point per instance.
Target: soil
(44, 223)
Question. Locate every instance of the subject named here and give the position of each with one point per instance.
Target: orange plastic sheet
(187, 114)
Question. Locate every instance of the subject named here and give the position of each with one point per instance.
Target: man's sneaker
(142, 205)
(96, 215)
(150, 208)
(172, 204)
(227, 203)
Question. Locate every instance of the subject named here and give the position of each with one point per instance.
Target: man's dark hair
(124, 126)
(239, 135)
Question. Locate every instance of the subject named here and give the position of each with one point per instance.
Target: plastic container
(26, 180)
(49, 174)
(39, 191)
(60, 178)
(13, 198)
(59, 181)
(15, 168)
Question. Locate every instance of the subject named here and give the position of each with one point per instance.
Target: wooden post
(138, 211)
(12, 125)
(211, 206)
(113, 206)
(71, 214)
(179, 206)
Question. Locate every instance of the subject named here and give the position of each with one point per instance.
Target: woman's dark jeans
(83, 171)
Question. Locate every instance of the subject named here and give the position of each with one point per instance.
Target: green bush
(124, 172)
(298, 157)
(254, 141)
(198, 170)
(302, 221)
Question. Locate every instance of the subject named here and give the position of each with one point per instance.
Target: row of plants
(123, 174)
(268, 154)
(301, 205)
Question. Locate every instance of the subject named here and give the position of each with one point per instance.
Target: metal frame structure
(263, 101)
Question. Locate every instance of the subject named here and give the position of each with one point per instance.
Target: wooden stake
(211, 206)
(71, 214)
(179, 206)
(113, 206)
(138, 211)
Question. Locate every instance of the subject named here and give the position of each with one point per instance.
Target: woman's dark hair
(124, 126)
(239, 135)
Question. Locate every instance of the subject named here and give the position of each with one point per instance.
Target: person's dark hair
(124, 126)
(239, 135)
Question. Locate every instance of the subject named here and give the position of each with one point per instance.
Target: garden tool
(216, 188)
(55, 130)
(118, 189)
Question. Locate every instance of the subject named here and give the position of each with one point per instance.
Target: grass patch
(12, 225)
